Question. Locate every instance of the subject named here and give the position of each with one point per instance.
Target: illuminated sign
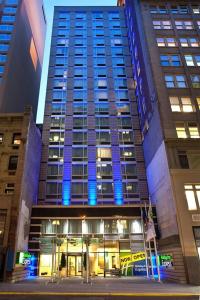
(132, 258)
(166, 260)
(133, 263)
(23, 258)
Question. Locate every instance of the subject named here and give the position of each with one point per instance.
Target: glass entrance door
(74, 265)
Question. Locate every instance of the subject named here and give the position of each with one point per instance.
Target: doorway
(74, 265)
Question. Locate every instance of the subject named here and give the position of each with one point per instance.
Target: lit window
(198, 24)
(198, 101)
(195, 81)
(196, 9)
(189, 42)
(10, 188)
(181, 131)
(1, 138)
(192, 60)
(103, 154)
(170, 60)
(187, 25)
(192, 193)
(162, 25)
(193, 130)
(16, 139)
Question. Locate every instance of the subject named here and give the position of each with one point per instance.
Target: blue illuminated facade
(91, 130)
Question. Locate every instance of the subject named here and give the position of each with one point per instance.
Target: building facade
(92, 180)
(20, 152)
(164, 39)
(22, 37)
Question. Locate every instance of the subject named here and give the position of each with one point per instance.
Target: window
(104, 171)
(58, 108)
(179, 9)
(54, 171)
(116, 42)
(181, 104)
(119, 72)
(99, 61)
(79, 171)
(166, 42)
(10, 188)
(195, 81)
(79, 153)
(192, 60)
(79, 122)
(118, 61)
(189, 42)
(196, 9)
(198, 102)
(80, 72)
(80, 96)
(104, 189)
(175, 81)
(97, 15)
(79, 138)
(80, 51)
(1, 138)
(127, 153)
(54, 188)
(170, 60)
(185, 25)
(101, 83)
(80, 108)
(181, 131)
(162, 25)
(120, 83)
(187, 130)
(79, 189)
(128, 171)
(198, 24)
(125, 137)
(103, 137)
(100, 72)
(192, 193)
(101, 96)
(13, 161)
(99, 51)
(80, 61)
(80, 83)
(183, 159)
(158, 9)
(102, 122)
(129, 189)
(123, 108)
(16, 139)
(56, 137)
(56, 154)
(103, 154)
(101, 108)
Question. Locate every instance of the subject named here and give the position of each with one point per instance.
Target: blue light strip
(66, 193)
(92, 193)
(118, 188)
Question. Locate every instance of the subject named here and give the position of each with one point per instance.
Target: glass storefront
(63, 246)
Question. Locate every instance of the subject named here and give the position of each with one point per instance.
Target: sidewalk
(99, 287)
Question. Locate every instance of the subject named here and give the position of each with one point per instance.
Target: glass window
(101, 83)
(195, 81)
(54, 170)
(104, 189)
(196, 9)
(16, 139)
(56, 154)
(1, 138)
(170, 60)
(101, 96)
(102, 122)
(13, 161)
(181, 104)
(128, 171)
(193, 130)
(79, 189)
(104, 170)
(101, 108)
(79, 171)
(79, 137)
(56, 137)
(192, 60)
(54, 188)
(192, 193)
(80, 108)
(99, 61)
(125, 137)
(181, 130)
(175, 81)
(100, 72)
(79, 153)
(185, 25)
(166, 42)
(162, 24)
(103, 154)
(127, 153)
(102, 137)
(79, 122)
(129, 189)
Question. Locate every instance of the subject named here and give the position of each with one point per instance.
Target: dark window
(12, 166)
(183, 159)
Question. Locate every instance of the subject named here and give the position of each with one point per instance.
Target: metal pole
(157, 260)
(145, 248)
(87, 260)
(152, 270)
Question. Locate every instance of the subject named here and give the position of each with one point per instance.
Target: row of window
(16, 139)
(80, 189)
(60, 72)
(98, 83)
(180, 25)
(102, 153)
(183, 104)
(83, 25)
(173, 42)
(174, 9)
(83, 15)
(179, 81)
(82, 51)
(187, 130)
(97, 61)
(81, 95)
(174, 60)
(103, 171)
(82, 42)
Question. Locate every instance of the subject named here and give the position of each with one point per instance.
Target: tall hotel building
(22, 37)
(164, 39)
(92, 181)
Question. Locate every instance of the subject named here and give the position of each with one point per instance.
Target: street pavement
(99, 289)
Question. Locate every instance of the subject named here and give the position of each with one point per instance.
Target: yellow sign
(132, 258)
